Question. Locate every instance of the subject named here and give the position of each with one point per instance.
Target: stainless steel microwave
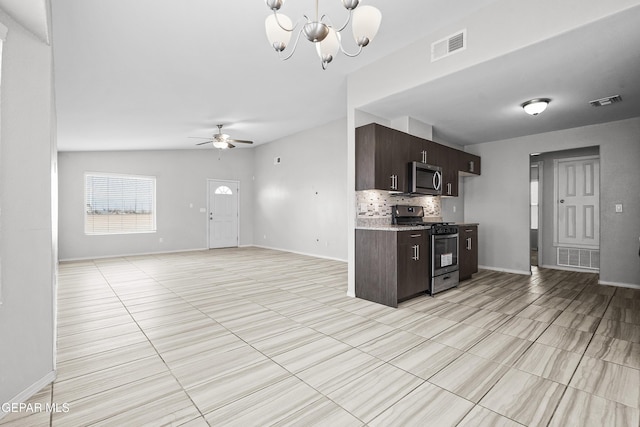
(425, 179)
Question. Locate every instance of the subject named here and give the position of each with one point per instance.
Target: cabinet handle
(424, 156)
(415, 252)
(416, 235)
(418, 252)
(393, 182)
(471, 166)
(449, 188)
(468, 243)
(469, 230)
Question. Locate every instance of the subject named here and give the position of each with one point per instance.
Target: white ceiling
(149, 74)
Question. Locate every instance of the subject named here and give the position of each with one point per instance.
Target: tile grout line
(144, 333)
(579, 361)
(250, 345)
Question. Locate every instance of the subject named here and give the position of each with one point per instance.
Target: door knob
(561, 200)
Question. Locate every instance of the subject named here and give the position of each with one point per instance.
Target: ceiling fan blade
(200, 137)
(206, 142)
(230, 145)
(240, 140)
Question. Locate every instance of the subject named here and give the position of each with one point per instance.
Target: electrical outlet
(618, 207)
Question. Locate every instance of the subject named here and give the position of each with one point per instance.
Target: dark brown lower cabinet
(391, 266)
(468, 250)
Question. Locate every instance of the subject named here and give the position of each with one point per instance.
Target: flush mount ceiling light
(365, 21)
(536, 106)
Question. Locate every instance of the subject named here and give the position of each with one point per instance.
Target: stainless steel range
(444, 266)
(444, 257)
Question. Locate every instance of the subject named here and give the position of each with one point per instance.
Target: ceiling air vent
(605, 101)
(449, 45)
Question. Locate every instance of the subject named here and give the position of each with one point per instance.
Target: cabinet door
(450, 163)
(399, 157)
(468, 251)
(469, 164)
(418, 149)
(381, 158)
(413, 263)
(385, 169)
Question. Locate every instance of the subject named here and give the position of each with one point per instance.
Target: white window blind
(119, 204)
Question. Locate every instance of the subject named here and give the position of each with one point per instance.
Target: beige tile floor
(254, 337)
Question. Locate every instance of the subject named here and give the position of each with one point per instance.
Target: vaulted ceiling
(149, 74)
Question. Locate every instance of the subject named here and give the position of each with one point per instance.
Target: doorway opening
(223, 207)
(565, 209)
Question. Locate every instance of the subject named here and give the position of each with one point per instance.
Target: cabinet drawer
(406, 237)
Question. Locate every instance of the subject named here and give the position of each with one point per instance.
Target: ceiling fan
(221, 140)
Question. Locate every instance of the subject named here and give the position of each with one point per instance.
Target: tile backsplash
(373, 207)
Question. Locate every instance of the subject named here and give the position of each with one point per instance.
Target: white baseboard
(300, 253)
(505, 270)
(27, 393)
(566, 268)
(621, 285)
(131, 254)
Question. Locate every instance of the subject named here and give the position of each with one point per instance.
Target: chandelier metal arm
(289, 30)
(351, 55)
(349, 16)
(293, 49)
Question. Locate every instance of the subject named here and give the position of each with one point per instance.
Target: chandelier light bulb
(365, 25)
(329, 47)
(278, 37)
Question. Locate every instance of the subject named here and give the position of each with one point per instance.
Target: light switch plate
(618, 207)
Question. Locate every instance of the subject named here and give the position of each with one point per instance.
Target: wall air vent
(582, 258)
(449, 45)
(605, 101)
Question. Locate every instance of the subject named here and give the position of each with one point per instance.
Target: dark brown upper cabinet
(383, 156)
(469, 164)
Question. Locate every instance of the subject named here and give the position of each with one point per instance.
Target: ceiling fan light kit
(221, 140)
(365, 22)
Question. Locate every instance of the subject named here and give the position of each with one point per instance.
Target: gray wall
(301, 203)
(27, 247)
(181, 181)
(499, 198)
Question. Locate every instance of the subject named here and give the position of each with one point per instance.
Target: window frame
(154, 225)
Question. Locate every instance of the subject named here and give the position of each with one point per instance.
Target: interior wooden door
(577, 202)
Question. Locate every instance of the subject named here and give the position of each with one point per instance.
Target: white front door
(577, 202)
(223, 213)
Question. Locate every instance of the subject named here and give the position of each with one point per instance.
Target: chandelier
(365, 21)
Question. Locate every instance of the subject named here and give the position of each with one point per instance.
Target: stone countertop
(395, 227)
(391, 227)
